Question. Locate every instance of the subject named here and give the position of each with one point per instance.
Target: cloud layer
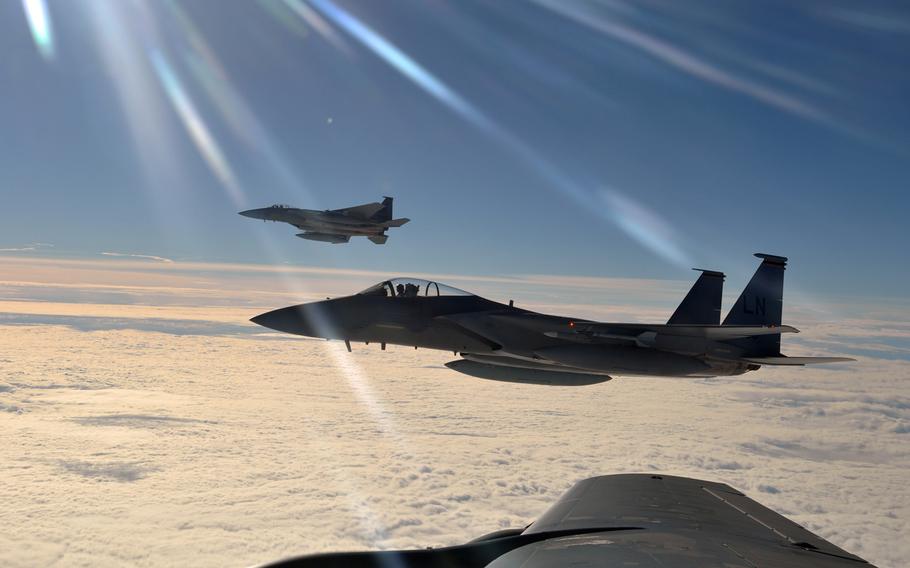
(209, 442)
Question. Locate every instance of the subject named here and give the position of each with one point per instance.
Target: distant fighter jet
(502, 342)
(370, 220)
(642, 520)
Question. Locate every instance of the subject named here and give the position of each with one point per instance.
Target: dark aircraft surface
(502, 342)
(370, 220)
(640, 520)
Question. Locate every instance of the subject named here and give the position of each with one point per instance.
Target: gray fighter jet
(336, 226)
(506, 343)
(642, 520)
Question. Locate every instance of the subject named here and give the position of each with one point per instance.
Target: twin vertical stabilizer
(761, 304)
(701, 306)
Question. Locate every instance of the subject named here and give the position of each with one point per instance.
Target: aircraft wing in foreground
(641, 520)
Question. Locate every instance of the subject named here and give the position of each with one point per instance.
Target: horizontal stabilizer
(736, 331)
(784, 360)
(394, 222)
(378, 239)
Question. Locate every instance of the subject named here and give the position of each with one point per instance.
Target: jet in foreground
(370, 220)
(642, 520)
(502, 342)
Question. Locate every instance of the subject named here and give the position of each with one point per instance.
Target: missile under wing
(337, 226)
(643, 520)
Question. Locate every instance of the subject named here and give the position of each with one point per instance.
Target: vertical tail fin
(701, 306)
(761, 303)
(384, 214)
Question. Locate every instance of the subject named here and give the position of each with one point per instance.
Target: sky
(569, 138)
(575, 157)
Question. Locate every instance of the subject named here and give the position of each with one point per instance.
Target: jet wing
(502, 327)
(364, 212)
(643, 520)
(715, 332)
(686, 523)
(491, 323)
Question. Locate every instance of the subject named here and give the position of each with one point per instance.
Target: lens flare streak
(209, 73)
(645, 226)
(195, 126)
(39, 22)
(399, 60)
(642, 226)
(315, 21)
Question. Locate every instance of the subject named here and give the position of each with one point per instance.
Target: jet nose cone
(252, 213)
(313, 320)
(284, 319)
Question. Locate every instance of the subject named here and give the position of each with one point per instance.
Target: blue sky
(582, 138)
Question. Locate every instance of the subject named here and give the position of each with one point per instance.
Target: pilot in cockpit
(411, 290)
(399, 290)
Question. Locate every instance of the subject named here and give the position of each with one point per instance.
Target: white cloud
(144, 256)
(238, 449)
(30, 247)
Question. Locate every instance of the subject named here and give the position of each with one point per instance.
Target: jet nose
(313, 320)
(286, 320)
(254, 213)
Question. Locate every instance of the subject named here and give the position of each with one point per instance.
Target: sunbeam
(643, 233)
(39, 22)
(645, 226)
(210, 74)
(683, 61)
(196, 128)
(315, 21)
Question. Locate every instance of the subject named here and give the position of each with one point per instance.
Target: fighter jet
(506, 343)
(336, 226)
(642, 520)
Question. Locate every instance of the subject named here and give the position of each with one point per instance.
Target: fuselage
(480, 330)
(313, 220)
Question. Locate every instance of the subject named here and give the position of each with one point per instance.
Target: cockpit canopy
(279, 206)
(412, 288)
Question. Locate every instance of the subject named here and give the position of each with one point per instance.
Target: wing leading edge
(644, 520)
